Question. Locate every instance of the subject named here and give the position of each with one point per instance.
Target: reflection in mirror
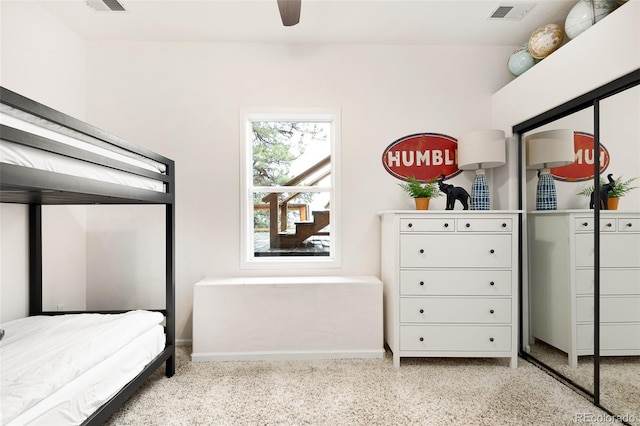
(561, 307)
(620, 261)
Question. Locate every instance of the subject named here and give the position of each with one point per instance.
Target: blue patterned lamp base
(546, 198)
(480, 193)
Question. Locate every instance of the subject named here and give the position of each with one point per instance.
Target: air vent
(512, 12)
(501, 12)
(106, 5)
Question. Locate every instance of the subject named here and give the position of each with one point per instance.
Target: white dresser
(562, 281)
(450, 283)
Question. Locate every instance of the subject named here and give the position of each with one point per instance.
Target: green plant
(417, 189)
(620, 188)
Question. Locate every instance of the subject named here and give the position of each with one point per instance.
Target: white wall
(13, 265)
(183, 99)
(125, 257)
(64, 258)
(43, 60)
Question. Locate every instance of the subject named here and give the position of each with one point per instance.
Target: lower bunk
(77, 368)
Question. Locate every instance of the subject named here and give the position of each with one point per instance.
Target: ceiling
(448, 22)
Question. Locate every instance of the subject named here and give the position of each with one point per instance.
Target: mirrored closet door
(581, 293)
(620, 262)
(559, 330)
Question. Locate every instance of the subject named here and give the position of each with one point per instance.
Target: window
(290, 203)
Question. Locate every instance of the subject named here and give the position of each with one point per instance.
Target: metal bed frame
(36, 188)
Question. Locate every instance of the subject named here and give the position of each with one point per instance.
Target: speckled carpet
(426, 391)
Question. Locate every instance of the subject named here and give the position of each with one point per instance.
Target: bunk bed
(50, 158)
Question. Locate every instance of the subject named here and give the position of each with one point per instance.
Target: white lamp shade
(552, 148)
(481, 149)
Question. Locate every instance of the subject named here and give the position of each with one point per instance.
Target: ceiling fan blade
(289, 11)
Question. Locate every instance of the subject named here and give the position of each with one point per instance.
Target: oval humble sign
(424, 156)
(582, 168)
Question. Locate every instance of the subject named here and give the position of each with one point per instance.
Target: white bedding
(40, 357)
(29, 123)
(21, 155)
(13, 153)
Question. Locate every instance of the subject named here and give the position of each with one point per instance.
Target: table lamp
(545, 150)
(479, 150)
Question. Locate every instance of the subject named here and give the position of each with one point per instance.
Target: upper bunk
(48, 157)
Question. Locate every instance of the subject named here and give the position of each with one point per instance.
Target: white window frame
(248, 260)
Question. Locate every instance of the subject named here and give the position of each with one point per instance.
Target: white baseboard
(286, 356)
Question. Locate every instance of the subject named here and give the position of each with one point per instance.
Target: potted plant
(619, 188)
(421, 192)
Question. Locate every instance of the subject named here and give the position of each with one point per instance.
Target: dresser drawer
(623, 338)
(629, 224)
(446, 251)
(584, 224)
(619, 250)
(484, 225)
(455, 310)
(612, 309)
(451, 338)
(455, 282)
(612, 281)
(427, 225)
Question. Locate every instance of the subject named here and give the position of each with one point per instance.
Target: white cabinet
(561, 279)
(450, 283)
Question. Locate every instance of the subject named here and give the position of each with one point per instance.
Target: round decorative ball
(544, 41)
(585, 14)
(520, 61)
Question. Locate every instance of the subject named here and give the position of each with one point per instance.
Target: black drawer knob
(491, 339)
(410, 225)
(609, 225)
(446, 225)
(422, 311)
(492, 283)
(629, 225)
(492, 251)
(491, 311)
(468, 225)
(422, 339)
(504, 225)
(421, 282)
(421, 251)
(585, 224)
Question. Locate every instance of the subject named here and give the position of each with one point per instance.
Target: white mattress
(60, 369)
(30, 123)
(13, 153)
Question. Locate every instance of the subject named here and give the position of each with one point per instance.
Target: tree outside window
(290, 208)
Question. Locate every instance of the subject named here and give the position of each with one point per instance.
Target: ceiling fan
(289, 12)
